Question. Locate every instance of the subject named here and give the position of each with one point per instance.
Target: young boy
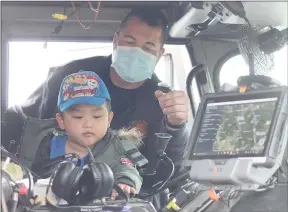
(85, 114)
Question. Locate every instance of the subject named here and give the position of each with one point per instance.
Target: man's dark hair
(153, 17)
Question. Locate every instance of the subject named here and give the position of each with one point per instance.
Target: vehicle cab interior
(222, 54)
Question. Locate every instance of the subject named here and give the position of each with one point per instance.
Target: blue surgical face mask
(133, 64)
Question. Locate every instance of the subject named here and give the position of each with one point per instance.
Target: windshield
(240, 68)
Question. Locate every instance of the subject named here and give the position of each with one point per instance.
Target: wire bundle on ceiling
(96, 11)
(63, 17)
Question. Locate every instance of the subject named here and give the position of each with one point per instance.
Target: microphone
(60, 132)
(162, 140)
(159, 153)
(164, 87)
(46, 167)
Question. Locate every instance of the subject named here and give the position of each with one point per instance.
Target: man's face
(138, 34)
(87, 122)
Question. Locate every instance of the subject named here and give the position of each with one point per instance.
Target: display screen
(235, 127)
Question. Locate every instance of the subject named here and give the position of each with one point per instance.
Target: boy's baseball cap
(83, 87)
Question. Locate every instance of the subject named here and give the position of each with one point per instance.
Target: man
(128, 74)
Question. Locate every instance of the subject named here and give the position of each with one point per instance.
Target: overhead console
(198, 16)
(212, 18)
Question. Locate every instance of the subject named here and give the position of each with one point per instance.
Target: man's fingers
(180, 116)
(175, 109)
(171, 95)
(158, 94)
(180, 100)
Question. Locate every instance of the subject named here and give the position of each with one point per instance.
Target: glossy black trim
(279, 93)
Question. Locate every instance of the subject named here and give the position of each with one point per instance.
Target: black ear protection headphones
(79, 185)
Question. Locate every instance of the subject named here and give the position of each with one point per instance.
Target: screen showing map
(235, 128)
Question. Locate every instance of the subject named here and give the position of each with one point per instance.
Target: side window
(235, 66)
(30, 63)
(232, 69)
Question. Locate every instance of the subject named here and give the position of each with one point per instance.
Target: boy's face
(88, 123)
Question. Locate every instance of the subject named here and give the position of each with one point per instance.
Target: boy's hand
(127, 189)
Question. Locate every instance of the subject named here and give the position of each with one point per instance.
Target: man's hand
(175, 105)
(127, 190)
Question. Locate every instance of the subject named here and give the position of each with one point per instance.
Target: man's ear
(110, 117)
(115, 41)
(60, 121)
(162, 51)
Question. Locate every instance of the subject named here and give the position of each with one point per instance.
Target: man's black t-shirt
(121, 99)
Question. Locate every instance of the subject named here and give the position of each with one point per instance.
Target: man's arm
(41, 104)
(177, 146)
(174, 105)
(14, 118)
(175, 150)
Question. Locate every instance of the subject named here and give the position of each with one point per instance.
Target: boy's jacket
(115, 149)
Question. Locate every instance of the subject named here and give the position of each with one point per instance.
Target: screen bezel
(230, 97)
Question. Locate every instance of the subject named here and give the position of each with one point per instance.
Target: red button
(23, 190)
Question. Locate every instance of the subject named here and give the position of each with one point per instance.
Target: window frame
(236, 52)
(168, 59)
(217, 69)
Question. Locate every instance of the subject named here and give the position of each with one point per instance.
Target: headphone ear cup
(103, 172)
(66, 181)
(96, 182)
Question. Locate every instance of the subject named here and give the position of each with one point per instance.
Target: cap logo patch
(80, 85)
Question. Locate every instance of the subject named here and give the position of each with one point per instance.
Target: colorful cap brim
(97, 101)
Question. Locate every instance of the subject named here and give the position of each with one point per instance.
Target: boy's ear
(60, 121)
(110, 117)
